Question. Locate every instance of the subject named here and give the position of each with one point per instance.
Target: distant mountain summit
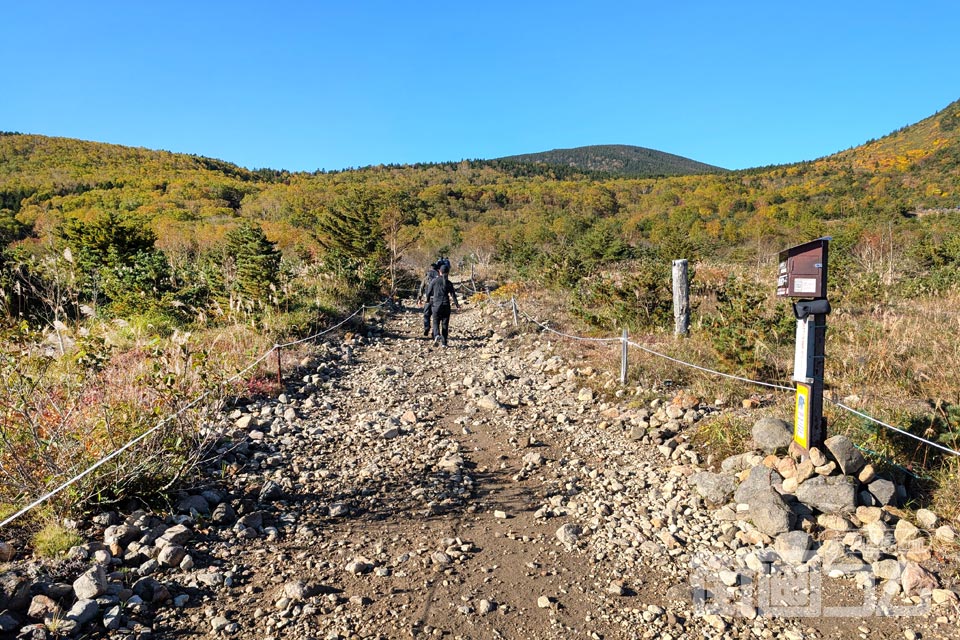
(618, 159)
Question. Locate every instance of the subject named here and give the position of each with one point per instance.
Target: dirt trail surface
(490, 489)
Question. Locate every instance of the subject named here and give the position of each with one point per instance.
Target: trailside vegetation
(112, 254)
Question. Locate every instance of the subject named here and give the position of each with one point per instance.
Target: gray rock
(219, 623)
(848, 457)
(151, 591)
(769, 513)
(296, 590)
(451, 463)
(252, 520)
(888, 569)
(6, 551)
(121, 535)
(569, 533)
(224, 514)
(735, 463)
(760, 480)
(878, 533)
(772, 434)
(83, 611)
(246, 422)
(42, 606)
(638, 432)
(715, 488)
(358, 567)
(793, 547)
(884, 491)
(486, 606)
(833, 494)
(171, 555)
(391, 433)
(905, 531)
(831, 551)
(90, 584)
(488, 403)
(148, 567)
(112, 618)
(534, 459)
(192, 504)
(177, 534)
(271, 491)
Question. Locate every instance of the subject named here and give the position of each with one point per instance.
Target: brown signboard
(803, 270)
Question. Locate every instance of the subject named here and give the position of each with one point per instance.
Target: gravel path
(491, 489)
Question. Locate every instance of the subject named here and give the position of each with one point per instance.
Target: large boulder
(761, 479)
(772, 434)
(848, 457)
(769, 512)
(833, 494)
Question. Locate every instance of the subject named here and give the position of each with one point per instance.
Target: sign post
(803, 274)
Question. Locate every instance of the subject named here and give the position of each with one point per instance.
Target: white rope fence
(250, 366)
(691, 365)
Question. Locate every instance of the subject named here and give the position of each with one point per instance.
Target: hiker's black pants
(427, 313)
(441, 322)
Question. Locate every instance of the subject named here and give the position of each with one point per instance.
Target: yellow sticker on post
(801, 419)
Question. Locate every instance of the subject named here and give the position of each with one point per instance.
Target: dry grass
(896, 361)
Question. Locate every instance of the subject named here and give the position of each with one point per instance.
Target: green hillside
(618, 160)
(558, 221)
(157, 273)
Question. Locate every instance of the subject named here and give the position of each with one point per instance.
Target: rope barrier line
(893, 428)
(99, 463)
(708, 370)
(734, 377)
(324, 332)
(567, 335)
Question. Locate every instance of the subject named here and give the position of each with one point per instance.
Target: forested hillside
(562, 225)
(618, 160)
(133, 278)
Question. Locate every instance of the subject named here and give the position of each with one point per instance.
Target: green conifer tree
(256, 261)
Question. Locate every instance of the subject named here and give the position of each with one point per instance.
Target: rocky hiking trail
(497, 488)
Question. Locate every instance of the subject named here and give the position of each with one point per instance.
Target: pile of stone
(827, 510)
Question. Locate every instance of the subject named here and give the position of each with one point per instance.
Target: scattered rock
(915, 579)
(772, 434)
(715, 488)
(836, 494)
(848, 457)
(569, 533)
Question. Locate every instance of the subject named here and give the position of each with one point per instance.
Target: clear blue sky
(331, 85)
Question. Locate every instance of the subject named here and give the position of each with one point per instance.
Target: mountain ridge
(618, 159)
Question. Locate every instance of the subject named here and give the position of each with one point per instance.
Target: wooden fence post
(624, 349)
(513, 304)
(681, 298)
(279, 369)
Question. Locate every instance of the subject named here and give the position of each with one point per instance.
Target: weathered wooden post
(513, 305)
(681, 298)
(624, 349)
(279, 369)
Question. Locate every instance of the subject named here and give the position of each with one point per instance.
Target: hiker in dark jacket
(432, 274)
(438, 297)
